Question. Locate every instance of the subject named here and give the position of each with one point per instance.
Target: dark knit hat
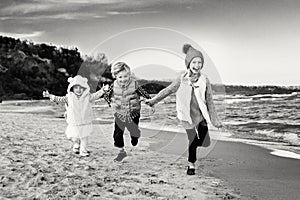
(191, 53)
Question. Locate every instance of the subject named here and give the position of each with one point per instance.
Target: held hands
(149, 102)
(152, 109)
(105, 88)
(217, 123)
(219, 126)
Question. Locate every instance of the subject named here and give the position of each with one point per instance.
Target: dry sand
(37, 163)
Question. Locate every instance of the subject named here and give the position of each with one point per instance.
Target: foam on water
(286, 154)
(273, 95)
(231, 101)
(284, 122)
(235, 122)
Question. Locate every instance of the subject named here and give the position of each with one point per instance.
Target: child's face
(123, 77)
(78, 90)
(196, 65)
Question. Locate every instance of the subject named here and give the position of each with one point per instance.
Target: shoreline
(251, 170)
(280, 149)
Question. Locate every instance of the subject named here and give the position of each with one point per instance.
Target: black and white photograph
(150, 99)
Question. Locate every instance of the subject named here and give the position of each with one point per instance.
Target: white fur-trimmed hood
(78, 80)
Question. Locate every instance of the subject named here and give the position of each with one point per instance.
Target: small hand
(152, 110)
(46, 94)
(149, 102)
(105, 88)
(219, 125)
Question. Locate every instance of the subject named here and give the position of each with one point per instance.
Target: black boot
(190, 171)
(134, 141)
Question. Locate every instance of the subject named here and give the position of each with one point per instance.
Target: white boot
(76, 145)
(84, 147)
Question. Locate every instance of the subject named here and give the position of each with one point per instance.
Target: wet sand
(251, 170)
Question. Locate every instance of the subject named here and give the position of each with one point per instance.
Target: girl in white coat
(194, 103)
(79, 112)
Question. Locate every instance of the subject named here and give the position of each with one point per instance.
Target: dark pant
(120, 126)
(195, 142)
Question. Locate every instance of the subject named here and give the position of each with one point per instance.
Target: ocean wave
(264, 126)
(265, 98)
(292, 139)
(235, 123)
(246, 98)
(266, 132)
(286, 154)
(231, 101)
(272, 95)
(284, 122)
(286, 137)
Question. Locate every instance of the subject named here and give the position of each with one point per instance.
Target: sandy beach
(37, 163)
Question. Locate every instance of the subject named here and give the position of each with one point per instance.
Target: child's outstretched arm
(54, 98)
(172, 88)
(100, 93)
(141, 92)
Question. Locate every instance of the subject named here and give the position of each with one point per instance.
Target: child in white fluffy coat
(78, 102)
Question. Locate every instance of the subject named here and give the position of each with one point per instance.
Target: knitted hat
(190, 54)
(78, 80)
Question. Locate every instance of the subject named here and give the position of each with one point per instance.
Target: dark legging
(120, 126)
(194, 141)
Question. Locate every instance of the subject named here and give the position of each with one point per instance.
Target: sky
(245, 42)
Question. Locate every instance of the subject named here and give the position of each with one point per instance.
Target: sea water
(264, 117)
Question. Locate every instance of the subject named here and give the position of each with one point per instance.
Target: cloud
(36, 6)
(83, 1)
(65, 16)
(55, 9)
(79, 9)
(119, 7)
(22, 35)
(26, 8)
(89, 1)
(130, 12)
(71, 16)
